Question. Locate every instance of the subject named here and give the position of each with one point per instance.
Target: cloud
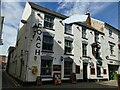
(80, 6)
(12, 12)
(9, 38)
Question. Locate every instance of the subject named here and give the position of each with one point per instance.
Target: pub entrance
(113, 69)
(85, 72)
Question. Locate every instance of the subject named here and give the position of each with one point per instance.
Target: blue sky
(12, 11)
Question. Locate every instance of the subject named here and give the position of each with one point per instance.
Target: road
(10, 82)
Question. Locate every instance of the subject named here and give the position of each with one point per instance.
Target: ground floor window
(77, 69)
(104, 71)
(92, 71)
(46, 67)
(67, 68)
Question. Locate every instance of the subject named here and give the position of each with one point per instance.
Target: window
(47, 43)
(96, 37)
(49, 21)
(21, 52)
(67, 68)
(92, 71)
(104, 71)
(83, 32)
(68, 47)
(68, 28)
(110, 32)
(46, 67)
(111, 49)
(77, 69)
(118, 37)
(84, 49)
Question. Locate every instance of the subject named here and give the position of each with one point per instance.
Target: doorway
(113, 71)
(85, 72)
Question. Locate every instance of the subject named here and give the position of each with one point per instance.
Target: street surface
(10, 82)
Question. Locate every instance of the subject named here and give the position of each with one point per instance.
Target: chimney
(88, 20)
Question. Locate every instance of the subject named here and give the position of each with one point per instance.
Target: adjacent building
(45, 45)
(1, 26)
(3, 61)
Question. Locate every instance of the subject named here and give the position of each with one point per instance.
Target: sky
(12, 11)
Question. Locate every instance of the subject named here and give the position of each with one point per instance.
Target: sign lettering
(38, 32)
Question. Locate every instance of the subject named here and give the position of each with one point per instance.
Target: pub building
(49, 42)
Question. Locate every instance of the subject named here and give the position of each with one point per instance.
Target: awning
(46, 57)
(69, 59)
(99, 62)
(85, 42)
(85, 61)
(48, 34)
(69, 38)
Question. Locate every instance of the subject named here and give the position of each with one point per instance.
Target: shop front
(113, 70)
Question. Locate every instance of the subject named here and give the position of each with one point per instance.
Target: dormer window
(96, 37)
(84, 32)
(48, 21)
(68, 28)
(110, 32)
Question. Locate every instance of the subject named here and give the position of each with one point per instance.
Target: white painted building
(46, 46)
(1, 27)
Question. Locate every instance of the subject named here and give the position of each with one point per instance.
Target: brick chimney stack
(88, 20)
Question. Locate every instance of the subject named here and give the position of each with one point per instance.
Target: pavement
(10, 82)
(109, 83)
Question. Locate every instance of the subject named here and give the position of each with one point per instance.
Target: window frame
(104, 71)
(49, 17)
(68, 28)
(69, 67)
(84, 50)
(92, 71)
(77, 69)
(84, 32)
(49, 68)
(68, 47)
(110, 32)
(44, 42)
(96, 37)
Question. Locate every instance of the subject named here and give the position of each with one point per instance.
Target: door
(84, 72)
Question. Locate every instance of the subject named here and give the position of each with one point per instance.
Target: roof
(45, 10)
(111, 26)
(48, 11)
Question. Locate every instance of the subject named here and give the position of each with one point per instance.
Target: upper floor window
(48, 21)
(84, 32)
(96, 37)
(84, 49)
(68, 47)
(118, 37)
(111, 48)
(110, 32)
(68, 28)
(47, 43)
